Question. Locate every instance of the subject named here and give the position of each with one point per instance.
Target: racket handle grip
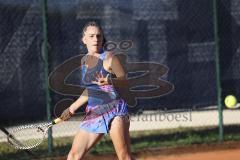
(56, 121)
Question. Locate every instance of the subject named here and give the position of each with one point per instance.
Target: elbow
(126, 83)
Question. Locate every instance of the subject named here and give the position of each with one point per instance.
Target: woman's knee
(125, 156)
(75, 155)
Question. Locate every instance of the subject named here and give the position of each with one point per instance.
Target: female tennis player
(106, 112)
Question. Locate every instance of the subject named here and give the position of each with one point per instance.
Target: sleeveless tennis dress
(104, 102)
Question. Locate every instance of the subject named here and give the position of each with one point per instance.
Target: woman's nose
(95, 38)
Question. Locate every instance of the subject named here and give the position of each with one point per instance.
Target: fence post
(46, 71)
(218, 78)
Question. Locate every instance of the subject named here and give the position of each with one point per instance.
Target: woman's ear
(83, 40)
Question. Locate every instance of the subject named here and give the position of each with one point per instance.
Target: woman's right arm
(68, 113)
(84, 96)
(79, 102)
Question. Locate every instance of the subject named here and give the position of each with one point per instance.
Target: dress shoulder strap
(103, 55)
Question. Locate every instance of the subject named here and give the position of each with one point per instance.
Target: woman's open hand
(100, 79)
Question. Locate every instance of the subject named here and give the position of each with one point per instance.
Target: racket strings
(27, 137)
(25, 144)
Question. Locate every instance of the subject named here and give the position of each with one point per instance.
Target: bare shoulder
(83, 59)
(111, 57)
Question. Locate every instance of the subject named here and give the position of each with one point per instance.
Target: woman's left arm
(117, 69)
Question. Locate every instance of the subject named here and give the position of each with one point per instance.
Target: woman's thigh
(119, 133)
(83, 141)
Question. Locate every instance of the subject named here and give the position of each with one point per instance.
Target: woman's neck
(94, 53)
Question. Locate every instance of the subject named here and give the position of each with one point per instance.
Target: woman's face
(93, 39)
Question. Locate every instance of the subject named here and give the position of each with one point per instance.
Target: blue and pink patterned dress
(104, 102)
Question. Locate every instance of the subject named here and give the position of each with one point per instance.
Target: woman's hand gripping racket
(30, 136)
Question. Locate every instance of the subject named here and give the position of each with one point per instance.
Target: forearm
(79, 102)
(118, 82)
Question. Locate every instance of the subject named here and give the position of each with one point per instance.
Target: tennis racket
(30, 136)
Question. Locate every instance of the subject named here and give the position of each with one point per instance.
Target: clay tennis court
(220, 155)
(203, 152)
(225, 151)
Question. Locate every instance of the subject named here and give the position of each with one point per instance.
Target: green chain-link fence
(186, 36)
